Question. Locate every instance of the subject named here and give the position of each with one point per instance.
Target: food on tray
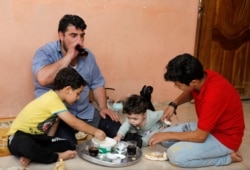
(156, 156)
(60, 165)
(115, 158)
(167, 122)
(105, 145)
(121, 147)
(106, 142)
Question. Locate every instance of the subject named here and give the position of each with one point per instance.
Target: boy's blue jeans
(191, 154)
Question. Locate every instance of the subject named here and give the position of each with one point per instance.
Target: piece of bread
(156, 156)
(80, 135)
(60, 165)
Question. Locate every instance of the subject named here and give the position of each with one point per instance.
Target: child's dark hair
(74, 20)
(184, 68)
(68, 77)
(135, 104)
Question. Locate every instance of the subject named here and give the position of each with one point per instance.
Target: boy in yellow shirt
(31, 135)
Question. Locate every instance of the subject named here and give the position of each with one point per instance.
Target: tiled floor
(143, 164)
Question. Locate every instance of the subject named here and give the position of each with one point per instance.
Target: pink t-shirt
(219, 110)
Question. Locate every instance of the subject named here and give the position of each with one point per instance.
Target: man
(65, 52)
(216, 137)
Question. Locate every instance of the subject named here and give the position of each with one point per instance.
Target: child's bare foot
(236, 157)
(69, 154)
(24, 161)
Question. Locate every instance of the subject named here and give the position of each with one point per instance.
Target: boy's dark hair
(135, 104)
(74, 20)
(68, 77)
(184, 68)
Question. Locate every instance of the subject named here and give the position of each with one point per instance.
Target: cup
(131, 149)
(93, 149)
(82, 51)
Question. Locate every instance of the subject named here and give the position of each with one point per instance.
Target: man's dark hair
(68, 77)
(184, 68)
(135, 104)
(74, 20)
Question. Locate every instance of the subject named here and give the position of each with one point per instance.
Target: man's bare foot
(236, 157)
(24, 161)
(69, 154)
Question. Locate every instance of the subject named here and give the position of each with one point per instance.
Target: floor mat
(4, 127)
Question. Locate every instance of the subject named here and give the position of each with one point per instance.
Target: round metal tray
(82, 150)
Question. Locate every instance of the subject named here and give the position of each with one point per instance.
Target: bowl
(106, 145)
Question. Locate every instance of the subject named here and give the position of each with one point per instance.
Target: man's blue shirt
(86, 67)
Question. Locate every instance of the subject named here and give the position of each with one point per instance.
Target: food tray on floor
(104, 159)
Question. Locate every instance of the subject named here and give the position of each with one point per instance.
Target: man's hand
(101, 99)
(72, 52)
(157, 138)
(168, 113)
(107, 112)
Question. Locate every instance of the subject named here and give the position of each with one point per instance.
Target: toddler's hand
(117, 138)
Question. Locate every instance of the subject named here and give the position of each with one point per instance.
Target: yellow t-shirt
(39, 115)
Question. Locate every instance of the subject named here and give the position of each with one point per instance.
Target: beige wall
(132, 39)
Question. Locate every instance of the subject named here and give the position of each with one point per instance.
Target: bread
(60, 165)
(156, 156)
(80, 135)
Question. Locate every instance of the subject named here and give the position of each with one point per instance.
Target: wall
(132, 42)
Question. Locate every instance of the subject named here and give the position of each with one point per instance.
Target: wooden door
(223, 40)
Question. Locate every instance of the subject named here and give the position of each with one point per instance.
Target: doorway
(223, 40)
